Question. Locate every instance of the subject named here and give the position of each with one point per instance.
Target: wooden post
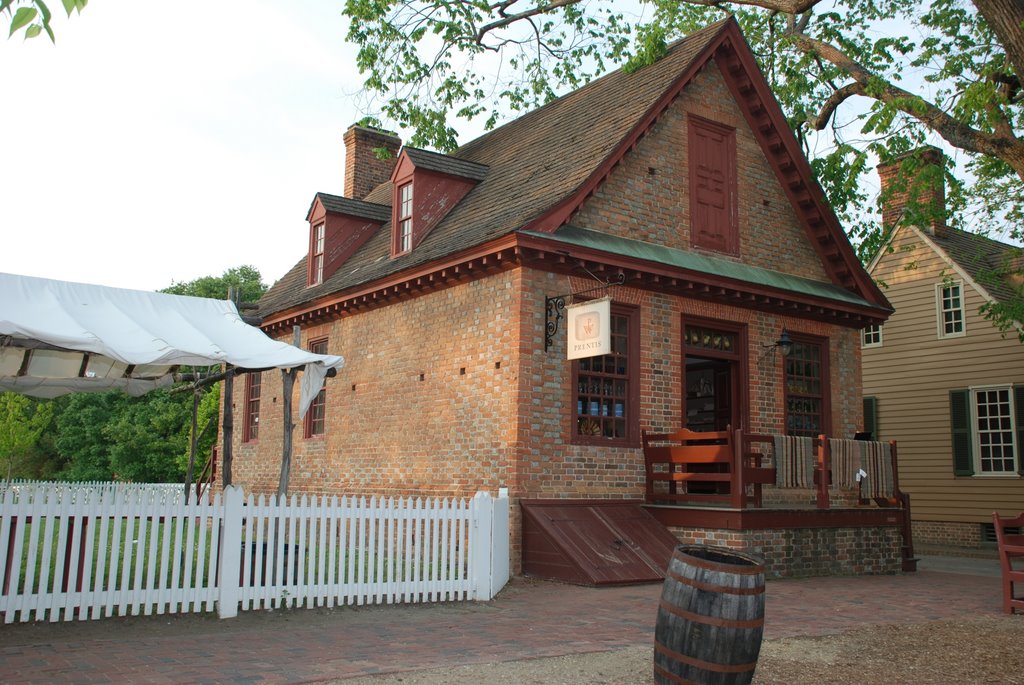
(287, 384)
(824, 463)
(190, 471)
(229, 423)
(738, 485)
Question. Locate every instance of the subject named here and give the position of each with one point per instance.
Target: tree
(245, 280)
(859, 82)
(34, 15)
(424, 61)
(81, 438)
(109, 435)
(22, 423)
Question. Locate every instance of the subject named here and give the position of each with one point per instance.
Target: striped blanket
(794, 461)
(877, 462)
(850, 456)
(846, 461)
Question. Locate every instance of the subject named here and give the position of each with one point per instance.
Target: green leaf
(33, 31)
(23, 16)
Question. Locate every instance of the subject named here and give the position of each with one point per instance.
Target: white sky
(161, 142)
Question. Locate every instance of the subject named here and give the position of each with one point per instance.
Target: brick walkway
(528, 619)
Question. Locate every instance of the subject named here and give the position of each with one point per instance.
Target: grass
(125, 563)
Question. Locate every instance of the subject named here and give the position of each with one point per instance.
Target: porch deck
(750, 489)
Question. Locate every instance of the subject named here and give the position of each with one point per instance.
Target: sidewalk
(528, 619)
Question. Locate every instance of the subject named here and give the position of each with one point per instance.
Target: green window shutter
(960, 422)
(1018, 417)
(871, 417)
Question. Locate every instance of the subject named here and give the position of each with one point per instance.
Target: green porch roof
(691, 261)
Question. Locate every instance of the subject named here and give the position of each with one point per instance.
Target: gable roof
(445, 164)
(988, 262)
(350, 207)
(542, 166)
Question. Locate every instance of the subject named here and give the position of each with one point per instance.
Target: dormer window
(316, 255)
(338, 228)
(441, 183)
(404, 219)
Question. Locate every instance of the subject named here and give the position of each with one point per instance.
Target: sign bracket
(555, 305)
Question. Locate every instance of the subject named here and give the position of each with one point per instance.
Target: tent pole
(288, 381)
(229, 424)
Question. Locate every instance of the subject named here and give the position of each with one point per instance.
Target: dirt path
(978, 651)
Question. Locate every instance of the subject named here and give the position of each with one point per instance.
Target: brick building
(434, 276)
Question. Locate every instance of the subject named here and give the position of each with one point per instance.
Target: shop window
(607, 396)
(806, 384)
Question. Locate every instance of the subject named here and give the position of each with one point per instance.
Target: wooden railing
(731, 467)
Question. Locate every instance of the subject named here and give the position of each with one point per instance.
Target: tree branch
(784, 6)
(1009, 149)
(1006, 19)
(513, 18)
(838, 97)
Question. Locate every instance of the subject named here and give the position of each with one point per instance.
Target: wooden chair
(1011, 546)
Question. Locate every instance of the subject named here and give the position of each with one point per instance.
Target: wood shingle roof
(536, 170)
(534, 162)
(990, 263)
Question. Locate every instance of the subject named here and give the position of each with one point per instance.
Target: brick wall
(452, 392)
(647, 196)
(947, 534)
(422, 406)
(803, 552)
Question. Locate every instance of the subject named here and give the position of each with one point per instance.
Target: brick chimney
(918, 180)
(363, 170)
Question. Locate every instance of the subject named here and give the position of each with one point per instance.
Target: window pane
(804, 390)
(602, 388)
(250, 430)
(995, 430)
(318, 409)
(951, 310)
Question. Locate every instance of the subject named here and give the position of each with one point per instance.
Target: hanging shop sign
(589, 328)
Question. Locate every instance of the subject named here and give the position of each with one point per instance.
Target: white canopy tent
(58, 337)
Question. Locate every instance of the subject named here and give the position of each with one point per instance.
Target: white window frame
(404, 242)
(864, 336)
(976, 430)
(316, 267)
(940, 309)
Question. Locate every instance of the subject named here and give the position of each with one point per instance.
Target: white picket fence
(92, 552)
(150, 491)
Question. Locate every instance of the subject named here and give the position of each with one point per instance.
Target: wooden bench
(1011, 546)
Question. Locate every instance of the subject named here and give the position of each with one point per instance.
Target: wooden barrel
(711, 617)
